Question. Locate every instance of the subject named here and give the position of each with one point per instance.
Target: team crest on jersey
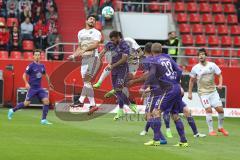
(90, 32)
(38, 75)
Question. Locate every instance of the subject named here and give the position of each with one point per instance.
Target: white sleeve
(79, 36)
(135, 45)
(193, 72)
(97, 36)
(217, 70)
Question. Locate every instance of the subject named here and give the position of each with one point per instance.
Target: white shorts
(90, 66)
(211, 100)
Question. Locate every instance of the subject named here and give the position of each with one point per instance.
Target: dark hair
(92, 15)
(202, 50)
(37, 50)
(120, 34)
(147, 47)
(114, 34)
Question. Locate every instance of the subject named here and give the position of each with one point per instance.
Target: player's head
(172, 35)
(91, 20)
(147, 49)
(156, 48)
(202, 54)
(115, 37)
(36, 55)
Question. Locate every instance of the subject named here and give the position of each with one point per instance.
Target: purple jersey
(116, 53)
(35, 72)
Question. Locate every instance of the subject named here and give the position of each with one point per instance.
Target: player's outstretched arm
(25, 80)
(190, 87)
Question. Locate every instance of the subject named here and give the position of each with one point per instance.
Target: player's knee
(45, 101)
(26, 103)
(156, 113)
(219, 109)
(87, 78)
(175, 117)
(186, 112)
(208, 110)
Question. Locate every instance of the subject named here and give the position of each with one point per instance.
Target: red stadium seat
(207, 18)
(204, 8)
(228, 53)
(229, 9)
(16, 55)
(217, 8)
(11, 21)
(238, 53)
(235, 30)
(43, 56)
(202, 1)
(236, 41)
(3, 54)
(213, 1)
(226, 41)
(90, 3)
(234, 63)
(220, 62)
(219, 19)
(2, 21)
(190, 52)
(200, 40)
(222, 30)
(187, 40)
(182, 18)
(27, 55)
(194, 18)
(216, 53)
(226, 1)
(167, 7)
(197, 29)
(213, 40)
(179, 7)
(184, 28)
(192, 7)
(27, 45)
(232, 19)
(154, 7)
(210, 29)
(98, 25)
(192, 61)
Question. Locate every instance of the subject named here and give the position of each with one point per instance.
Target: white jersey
(205, 77)
(133, 50)
(86, 37)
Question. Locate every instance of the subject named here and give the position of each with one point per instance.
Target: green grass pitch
(24, 138)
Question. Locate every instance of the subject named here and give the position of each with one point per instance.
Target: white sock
(90, 94)
(209, 121)
(125, 91)
(83, 93)
(168, 129)
(104, 74)
(220, 120)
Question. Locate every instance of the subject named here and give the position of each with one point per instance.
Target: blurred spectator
(52, 26)
(4, 38)
(26, 13)
(129, 7)
(52, 37)
(40, 40)
(40, 26)
(106, 3)
(12, 8)
(173, 41)
(38, 15)
(26, 29)
(51, 14)
(14, 39)
(3, 9)
(57, 55)
(48, 4)
(36, 4)
(94, 8)
(22, 4)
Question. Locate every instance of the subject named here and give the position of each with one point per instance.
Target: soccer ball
(107, 12)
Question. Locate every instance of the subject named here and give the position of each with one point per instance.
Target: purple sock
(19, 106)
(180, 129)
(156, 126)
(147, 126)
(166, 118)
(45, 111)
(192, 124)
(123, 97)
(120, 103)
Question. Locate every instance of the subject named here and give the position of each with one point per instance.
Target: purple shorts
(119, 80)
(151, 103)
(39, 92)
(182, 105)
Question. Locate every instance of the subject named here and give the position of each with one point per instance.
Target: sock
(104, 74)
(192, 124)
(83, 93)
(125, 91)
(19, 106)
(220, 120)
(147, 126)
(120, 103)
(45, 111)
(90, 94)
(209, 121)
(180, 129)
(166, 118)
(156, 126)
(123, 97)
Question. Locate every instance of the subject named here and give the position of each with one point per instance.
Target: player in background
(133, 62)
(119, 50)
(204, 73)
(35, 71)
(88, 39)
(168, 91)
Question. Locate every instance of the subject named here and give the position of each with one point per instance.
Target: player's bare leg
(19, 106)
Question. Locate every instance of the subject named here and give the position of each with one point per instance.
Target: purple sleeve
(28, 69)
(152, 75)
(125, 48)
(177, 69)
(108, 46)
